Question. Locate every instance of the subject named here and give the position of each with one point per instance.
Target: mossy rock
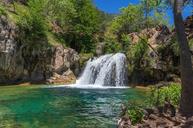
(84, 57)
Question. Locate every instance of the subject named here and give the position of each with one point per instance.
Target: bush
(137, 53)
(158, 96)
(32, 23)
(135, 114)
(112, 47)
(2, 10)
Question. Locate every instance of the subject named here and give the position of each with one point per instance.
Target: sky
(113, 7)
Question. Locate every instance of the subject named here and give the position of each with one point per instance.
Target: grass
(53, 40)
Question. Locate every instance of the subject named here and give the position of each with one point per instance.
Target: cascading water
(107, 70)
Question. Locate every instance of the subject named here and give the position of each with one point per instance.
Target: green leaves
(135, 114)
(79, 21)
(171, 92)
(32, 22)
(129, 20)
(2, 10)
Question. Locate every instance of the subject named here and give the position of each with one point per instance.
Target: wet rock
(124, 122)
(100, 49)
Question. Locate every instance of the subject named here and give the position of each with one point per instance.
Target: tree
(186, 103)
(131, 19)
(155, 8)
(32, 22)
(79, 20)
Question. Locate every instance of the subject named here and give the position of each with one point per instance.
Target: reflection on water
(24, 107)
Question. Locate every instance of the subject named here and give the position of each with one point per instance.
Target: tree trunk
(186, 102)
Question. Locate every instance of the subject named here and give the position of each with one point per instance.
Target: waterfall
(107, 70)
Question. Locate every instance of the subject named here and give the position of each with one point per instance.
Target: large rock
(65, 59)
(11, 63)
(161, 61)
(100, 49)
(38, 63)
(67, 77)
(158, 35)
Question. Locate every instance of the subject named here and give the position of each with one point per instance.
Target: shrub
(2, 10)
(135, 114)
(32, 23)
(158, 96)
(137, 53)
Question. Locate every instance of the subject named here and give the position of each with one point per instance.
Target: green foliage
(156, 9)
(84, 57)
(32, 23)
(191, 43)
(130, 20)
(2, 10)
(158, 96)
(135, 114)
(112, 46)
(137, 53)
(79, 21)
(126, 42)
(175, 46)
(61, 11)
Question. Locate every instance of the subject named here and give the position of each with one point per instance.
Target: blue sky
(113, 7)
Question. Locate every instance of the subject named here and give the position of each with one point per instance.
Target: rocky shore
(158, 117)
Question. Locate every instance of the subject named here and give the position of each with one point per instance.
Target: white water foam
(107, 70)
(91, 86)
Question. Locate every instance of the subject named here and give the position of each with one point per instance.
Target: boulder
(67, 77)
(65, 59)
(100, 49)
(159, 59)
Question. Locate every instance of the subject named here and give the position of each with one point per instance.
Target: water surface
(40, 107)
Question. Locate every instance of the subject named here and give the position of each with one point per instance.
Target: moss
(13, 11)
(2, 10)
(191, 43)
(54, 40)
(84, 57)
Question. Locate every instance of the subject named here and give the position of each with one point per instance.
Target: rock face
(100, 49)
(65, 66)
(156, 63)
(10, 62)
(156, 36)
(161, 63)
(24, 63)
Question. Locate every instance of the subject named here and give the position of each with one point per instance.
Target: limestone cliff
(24, 63)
